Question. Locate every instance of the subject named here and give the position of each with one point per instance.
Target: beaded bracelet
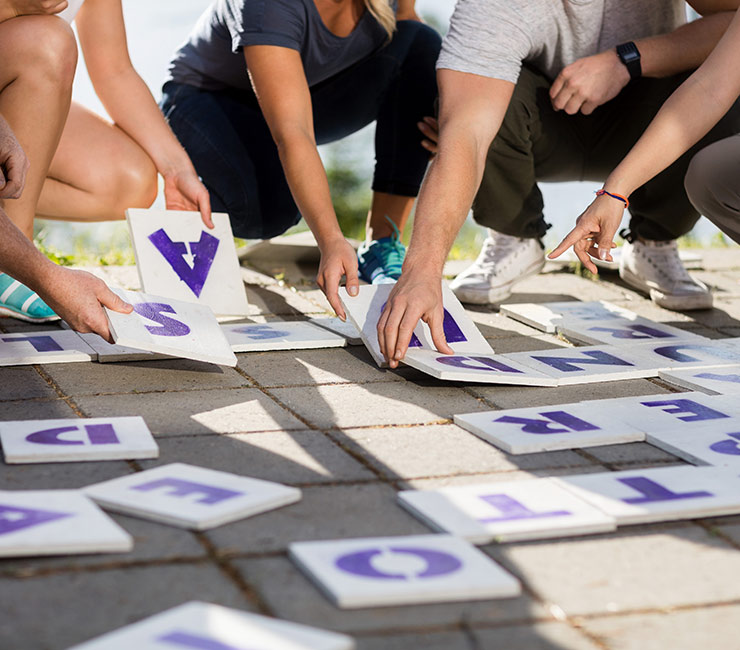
(619, 197)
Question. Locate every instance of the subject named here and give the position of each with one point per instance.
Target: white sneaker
(655, 268)
(502, 262)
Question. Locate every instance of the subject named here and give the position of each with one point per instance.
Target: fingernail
(352, 291)
(398, 356)
(602, 253)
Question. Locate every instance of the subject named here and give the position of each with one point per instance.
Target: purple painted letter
(203, 251)
(167, 326)
(511, 509)
(181, 487)
(652, 491)
(360, 563)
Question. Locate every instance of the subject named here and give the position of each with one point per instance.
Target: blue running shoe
(380, 260)
(18, 301)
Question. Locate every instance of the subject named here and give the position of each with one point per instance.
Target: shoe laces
(667, 261)
(497, 248)
(391, 249)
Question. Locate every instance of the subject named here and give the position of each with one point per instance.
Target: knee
(711, 183)
(47, 48)
(136, 186)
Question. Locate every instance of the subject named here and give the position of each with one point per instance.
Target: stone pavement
(352, 435)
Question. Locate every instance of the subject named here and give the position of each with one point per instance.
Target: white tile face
(663, 494)
(688, 353)
(190, 497)
(53, 346)
(506, 512)
(668, 412)
(55, 441)
(364, 311)
(381, 571)
(56, 522)
(548, 428)
(724, 380)
(586, 365)
(338, 326)
(546, 316)
(111, 353)
(293, 335)
(179, 257)
(623, 332)
(481, 368)
(203, 626)
(178, 329)
(714, 444)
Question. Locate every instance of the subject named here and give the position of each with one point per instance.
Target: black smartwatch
(630, 56)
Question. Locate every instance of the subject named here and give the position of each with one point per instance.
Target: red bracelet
(619, 197)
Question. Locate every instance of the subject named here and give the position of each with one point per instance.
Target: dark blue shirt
(212, 57)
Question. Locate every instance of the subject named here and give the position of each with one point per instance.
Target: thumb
(113, 301)
(353, 281)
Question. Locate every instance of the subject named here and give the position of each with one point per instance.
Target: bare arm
(131, 106)
(697, 105)
(594, 80)
(282, 90)
(472, 109)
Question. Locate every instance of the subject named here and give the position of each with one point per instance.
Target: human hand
(79, 297)
(338, 258)
(430, 129)
(594, 232)
(13, 163)
(184, 191)
(416, 296)
(13, 8)
(588, 83)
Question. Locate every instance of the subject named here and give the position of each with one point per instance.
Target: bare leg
(97, 172)
(39, 56)
(396, 208)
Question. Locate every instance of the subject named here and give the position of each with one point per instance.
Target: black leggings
(232, 149)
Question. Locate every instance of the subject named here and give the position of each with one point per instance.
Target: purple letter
(570, 422)
(260, 332)
(204, 252)
(698, 411)
(674, 352)
(729, 447)
(99, 434)
(182, 488)
(40, 343)
(711, 375)
(599, 358)
(486, 363)
(195, 641)
(360, 563)
(512, 509)
(634, 332)
(167, 326)
(652, 491)
(13, 518)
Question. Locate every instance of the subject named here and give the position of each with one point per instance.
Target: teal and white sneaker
(18, 301)
(380, 260)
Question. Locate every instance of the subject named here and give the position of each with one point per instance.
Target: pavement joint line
(689, 607)
(233, 574)
(714, 531)
(58, 390)
(42, 572)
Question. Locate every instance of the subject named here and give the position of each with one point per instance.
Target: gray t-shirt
(492, 38)
(212, 57)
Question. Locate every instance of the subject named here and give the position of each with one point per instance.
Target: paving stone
(430, 641)
(514, 475)
(648, 309)
(79, 606)
(291, 596)
(58, 476)
(310, 367)
(323, 513)
(13, 325)
(641, 568)
(729, 526)
(540, 636)
(240, 410)
(35, 409)
(525, 343)
(720, 258)
(722, 283)
(712, 627)
(565, 286)
(151, 542)
(373, 404)
(279, 300)
(725, 313)
(632, 453)
(506, 397)
(142, 376)
(439, 450)
(494, 325)
(296, 457)
(24, 383)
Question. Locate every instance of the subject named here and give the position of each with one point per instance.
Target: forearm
(684, 49)
(308, 184)
(130, 104)
(20, 258)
